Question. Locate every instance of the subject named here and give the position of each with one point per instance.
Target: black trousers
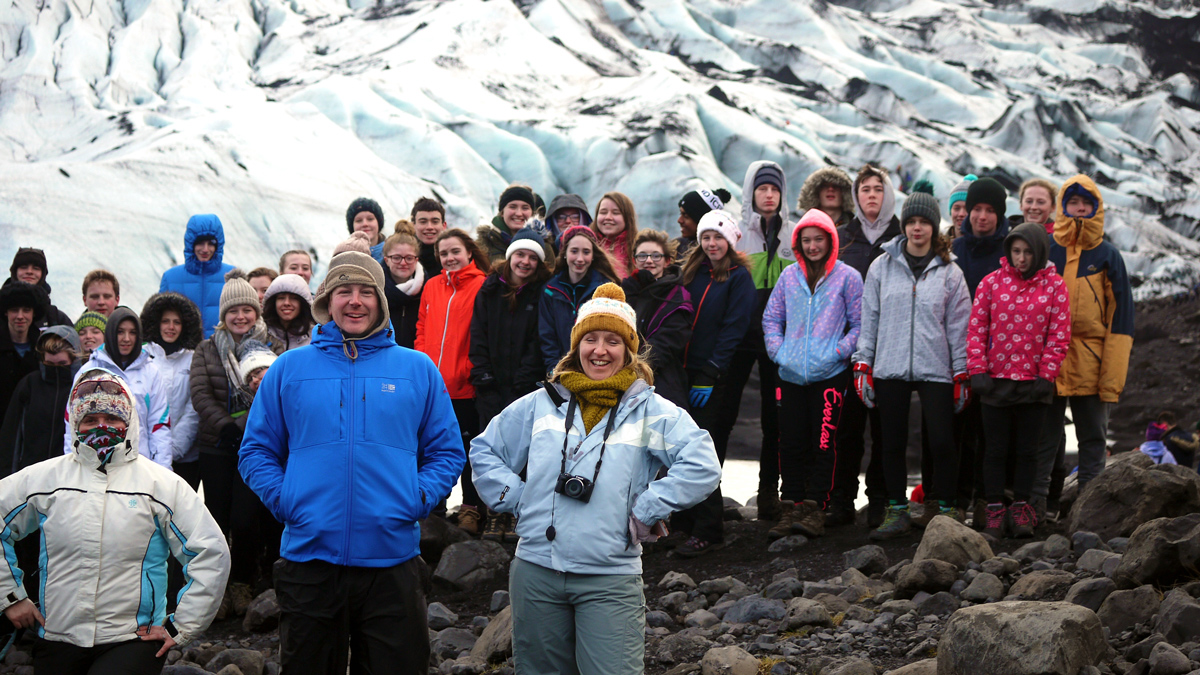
(219, 473)
(188, 471)
(330, 611)
(969, 439)
(123, 658)
(893, 397)
(808, 424)
(1011, 430)
(768, 381)
(253, 532)
(706, 520)
(851, 448)
(468, 424)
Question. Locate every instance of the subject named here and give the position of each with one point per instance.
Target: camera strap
(612, 422)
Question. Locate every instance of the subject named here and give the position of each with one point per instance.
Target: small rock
(1043, 585)
(728, 661)
(856, 666)
(926, 667)
(1142, 649)
(1029, 552)
(898, 607)
(1091, 593)
(1082, 542)
(869, 559)
(675, 581)
(927, 648)
(184, 669)
(803, 612)
(1179, 616)
(784, 589)
(262, 614)
(495, 644)
(751, 609)
(958, 587)
(1000, 566)
(833, 603)
(1025, 638)
(1125, 609)
(938, 604)
(985, 586)
(248, 661)
(1118, 544)
(468, 565)
(814, 588)
(1167, 660)
(500, 600)
(701, 618)
(792, 542)
(658, 619)
(953, 542)
(673, 601)
(1057, 546)
(440, 616)
(1093, 559)
(929, 575)
(451, 642)
(230, 670)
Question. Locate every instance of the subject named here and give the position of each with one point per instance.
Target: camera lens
(573, 487)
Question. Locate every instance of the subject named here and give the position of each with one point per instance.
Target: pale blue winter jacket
(592, 538)
(812, 334)
(200, 282)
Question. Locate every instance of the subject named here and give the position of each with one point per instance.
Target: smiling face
(579, 257)
(602, 354)
(515, 214)
(983, 220)
(204, 250)
(127, 337)
(365, 222)
(522, 264)
(101, 298)
(240, 319)
(1036, 205)
(870, 197)
(813, 243)
(401, 261)
(609, 219)
(170, 326)
(453, 254)
(831, 197)
(354, 308)
(651, 257)
(287, 306)
(298, 263)
(687, 226)
(428, 224)
(766, 199)
(1020, 255)
(30, 274)
(19, 320)
(90, 338)
(714, 245)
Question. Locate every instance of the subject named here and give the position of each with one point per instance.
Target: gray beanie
(921, 204)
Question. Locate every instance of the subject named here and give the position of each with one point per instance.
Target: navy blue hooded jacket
(200, 282)
(978, 257)
(557, 311)
(724, 312)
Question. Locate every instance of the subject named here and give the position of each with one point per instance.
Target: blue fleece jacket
(349, 453)
(200, 282)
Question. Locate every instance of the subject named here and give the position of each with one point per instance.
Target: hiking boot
(694, 547)
(928, 511)
(510, 528)
(240, 598)
(494, 530)
(875, 513)
(769, 506)
(896, 523)
(468, 520)
(1022, 520)
(810, 519)
(994, 516)
(1039, 509)
(787, 517)
(839, 515)
(979, 514)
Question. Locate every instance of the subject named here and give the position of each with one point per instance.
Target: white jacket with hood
(185, 421)
(105, 534)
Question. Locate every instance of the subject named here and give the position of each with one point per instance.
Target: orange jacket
(444, 326)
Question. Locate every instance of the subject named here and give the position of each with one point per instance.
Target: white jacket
(105, 537)
(150, 384)
(185, 421)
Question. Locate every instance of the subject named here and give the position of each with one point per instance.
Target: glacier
(121, 118)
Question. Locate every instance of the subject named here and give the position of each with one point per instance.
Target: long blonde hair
(572, 363)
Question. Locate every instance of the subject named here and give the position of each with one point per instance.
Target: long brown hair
(601, 262)
(669, 247)
(540, 276)
(625, 206)
(571, 363)
(481, 261)
(940, 243)
(720, 269)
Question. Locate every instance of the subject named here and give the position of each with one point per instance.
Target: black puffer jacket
(664, 317)
(34, 425)
(856, 251)
(402, 309)
(506, 360)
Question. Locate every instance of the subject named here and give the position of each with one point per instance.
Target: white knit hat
(722, 222)
(607, 310)
(253, 355)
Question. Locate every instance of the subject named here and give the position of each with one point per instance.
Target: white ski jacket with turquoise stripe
(104, 538)
(649, 433)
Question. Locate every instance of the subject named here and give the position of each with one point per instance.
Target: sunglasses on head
(105, 386)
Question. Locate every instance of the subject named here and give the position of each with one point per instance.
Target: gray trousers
(576, 624)
(1090, 415)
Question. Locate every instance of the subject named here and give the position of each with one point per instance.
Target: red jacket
(444, 326)
(1019, 329)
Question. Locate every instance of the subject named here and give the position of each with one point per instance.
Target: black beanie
(769, 174)
(29, 256)
(517, 193)
(699, 202)
(987, 191)
(363, 204)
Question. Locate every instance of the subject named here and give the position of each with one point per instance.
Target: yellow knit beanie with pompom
(607, 310)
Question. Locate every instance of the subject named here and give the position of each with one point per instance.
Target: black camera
(575, 487)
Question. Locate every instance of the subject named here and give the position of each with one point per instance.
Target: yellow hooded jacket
(1101, 299)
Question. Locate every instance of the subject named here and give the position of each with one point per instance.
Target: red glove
(962, 392)
(864, 384)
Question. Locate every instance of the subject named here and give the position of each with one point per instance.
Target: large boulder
(1125, 609)
(1163, 552)
(495, 643)
(1021, 638)
(1127, 494)
(930, 576)
(263, 613)
(1179, 615)
(728, 661)
(469, 565)
(950, 541)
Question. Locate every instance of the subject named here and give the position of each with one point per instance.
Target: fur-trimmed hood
(189, 314)
(830, 175)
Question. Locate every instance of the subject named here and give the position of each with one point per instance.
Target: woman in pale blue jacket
(811, 326)
(589, 445)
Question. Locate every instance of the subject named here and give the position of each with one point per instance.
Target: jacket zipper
(807, 335)
(446, 322)
(912, 328)
(349, 471)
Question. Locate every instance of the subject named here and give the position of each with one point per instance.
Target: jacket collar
(328, 338)
(1087, 233)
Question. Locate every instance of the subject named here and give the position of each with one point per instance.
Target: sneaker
(1022, 519)
(875, 513)
(510, 528)
(787, 516)
(896, 523)
(769, 506)
(494, 530)
(950, 511)
(694, 547)
(810, 519)
(994, 516)
(979, 514)
(468, 520)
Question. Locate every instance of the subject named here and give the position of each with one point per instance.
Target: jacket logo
(132, 503)
(1091, 268)
(388, 388)
(343, 277)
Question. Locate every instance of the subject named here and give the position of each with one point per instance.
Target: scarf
(874, 229)
(103, 439)
(596, 397)
(239, 397)
(618, 248)
(413, 286)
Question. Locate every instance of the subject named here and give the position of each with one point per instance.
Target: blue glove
(699, 396)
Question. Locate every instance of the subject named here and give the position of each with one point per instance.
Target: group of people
(556, 355)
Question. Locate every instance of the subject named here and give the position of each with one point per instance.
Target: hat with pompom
(959, 192)
(721, 222)
(253, 355)
(607, 310)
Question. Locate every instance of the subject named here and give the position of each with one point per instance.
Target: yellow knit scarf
(597, 396)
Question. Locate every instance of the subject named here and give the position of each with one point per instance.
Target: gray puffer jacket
(913, 329)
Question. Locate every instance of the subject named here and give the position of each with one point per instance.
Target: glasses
(88, 387)
(573, 217)
(643, 257)
(397, 259)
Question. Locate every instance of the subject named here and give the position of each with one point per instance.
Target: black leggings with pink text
(808, 422)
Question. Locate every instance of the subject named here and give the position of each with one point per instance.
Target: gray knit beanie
(921, 204)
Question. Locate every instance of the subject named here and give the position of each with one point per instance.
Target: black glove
(981, 384)
(1043, 388)
(230, 437)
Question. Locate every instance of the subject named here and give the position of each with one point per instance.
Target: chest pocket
(314, 411)
(387, 411)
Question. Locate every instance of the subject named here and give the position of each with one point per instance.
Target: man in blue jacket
(351, 440)
(202, 275)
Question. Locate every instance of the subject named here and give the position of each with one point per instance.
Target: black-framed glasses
(572, 217)
(643, 257)
(397, 259)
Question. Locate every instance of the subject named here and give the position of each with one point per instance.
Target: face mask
(103, 439)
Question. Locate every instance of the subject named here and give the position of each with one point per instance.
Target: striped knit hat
(607, 310)
(91, 320)
(100, 392)
(959, 192)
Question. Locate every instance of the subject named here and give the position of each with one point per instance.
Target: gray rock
(439, 616)
(1167, 660)
(684, 646)
(1142, 649)
(985, 586)
(1093, 559)
(1129, 493)
(436, 534)
(1161, 552)
(953, 542)
(1021, 638)
(927, 647)
(1057, 546)
(869, 559)
(1179, 615)
(1082, 542)
(804, 612)
(1125, 609)
(1001, 566)
(814, 588)
(833, 603)
(898, 607)
(1030, 552)
(495, 644)
(701, 618)
(930, 575)
(451, 642)
(468, 565)
(855, 666)
(202, 653)
(676, 581)
(859, 613)
(230, 670)
(500, 600)
(792, 542)
(1091, 593)
(1118, 544)
(1043, 585)
(853, 577)
(184, 669)
(479, 622)
(659, 619)
(938, 604)
(728, 661)
(249, 661)
(958, 587)
(926, 667)
(262, 614)
(673, 601)
(783, 589)
(751, 609)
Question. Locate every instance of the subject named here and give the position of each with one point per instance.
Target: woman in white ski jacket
(107, 520)
(173, 328)
(590, 445)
